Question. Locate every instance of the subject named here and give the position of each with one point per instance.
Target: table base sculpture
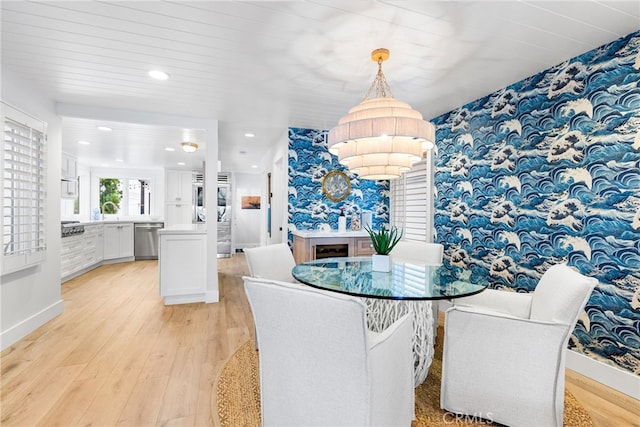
(383, 312)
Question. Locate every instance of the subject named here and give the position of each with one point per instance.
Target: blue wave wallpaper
(309, 209)
(545, 171)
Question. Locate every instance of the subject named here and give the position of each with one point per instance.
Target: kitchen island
(182, 264)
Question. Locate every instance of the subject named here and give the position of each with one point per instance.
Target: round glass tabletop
(406, 280)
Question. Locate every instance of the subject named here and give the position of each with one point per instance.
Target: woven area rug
(238, 395)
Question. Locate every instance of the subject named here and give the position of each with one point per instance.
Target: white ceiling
(263, 66)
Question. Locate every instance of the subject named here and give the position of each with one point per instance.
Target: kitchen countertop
(309, 234)
(200, 228)
(117, 221)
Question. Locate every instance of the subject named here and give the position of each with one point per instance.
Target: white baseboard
(623, 381)
(117, 260)
(206, 297)
(212, 296)
(30, 324)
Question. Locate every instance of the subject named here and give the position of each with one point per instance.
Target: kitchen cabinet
(177, 213)
(178, 208)
(71, 255)
(69, 189)
(182, 264)
(69, 167)
(118, 241)
(178, 187)
(69, 174)
(93, 242)
(81, 252)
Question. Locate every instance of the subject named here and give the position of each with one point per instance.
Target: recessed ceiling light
(104, 128)
(119, 160)
(254, 166)
(180, 163)
(84, 142)
(158, 75)
(105, 165)
(249, 135)
(170, 149)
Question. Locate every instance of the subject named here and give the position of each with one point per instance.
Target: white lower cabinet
(183, 268)
(93, 239)
(81, 251)
(118, 241)
(72, 254)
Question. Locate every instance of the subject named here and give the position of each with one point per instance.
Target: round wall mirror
(336, 186)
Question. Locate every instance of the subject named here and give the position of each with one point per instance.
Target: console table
(310, 245)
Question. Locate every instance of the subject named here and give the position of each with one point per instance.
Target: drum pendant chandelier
(380, 138)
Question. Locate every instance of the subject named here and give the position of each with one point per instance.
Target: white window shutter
(23, 190)
(412, 202)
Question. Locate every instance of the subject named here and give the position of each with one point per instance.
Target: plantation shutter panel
(412, 202)
(24, 190)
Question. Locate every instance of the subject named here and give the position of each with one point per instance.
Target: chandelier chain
(379, 86)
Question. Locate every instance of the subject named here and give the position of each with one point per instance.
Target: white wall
(30, 298)
(247, 223)
(280, 189)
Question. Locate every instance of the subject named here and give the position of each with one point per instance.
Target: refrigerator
(224, 215)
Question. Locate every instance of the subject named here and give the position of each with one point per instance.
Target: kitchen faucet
(108, 203)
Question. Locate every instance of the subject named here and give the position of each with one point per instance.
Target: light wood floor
(118, 356)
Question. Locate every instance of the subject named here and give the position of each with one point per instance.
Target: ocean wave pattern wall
(546, 171)
(308, 208)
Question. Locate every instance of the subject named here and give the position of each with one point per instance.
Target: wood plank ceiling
(265, 65)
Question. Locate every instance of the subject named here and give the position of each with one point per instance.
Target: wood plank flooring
(119, 356)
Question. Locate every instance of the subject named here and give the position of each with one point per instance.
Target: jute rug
(238, 395)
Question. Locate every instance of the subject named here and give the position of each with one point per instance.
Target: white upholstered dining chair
(423, 252)
(320, 366)
(271, 262)
(504, 352)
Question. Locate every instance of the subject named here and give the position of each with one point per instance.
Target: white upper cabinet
(69, 167)
(69, 183)
(178, 187)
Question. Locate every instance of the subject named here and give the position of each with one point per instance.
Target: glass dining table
(409, 286)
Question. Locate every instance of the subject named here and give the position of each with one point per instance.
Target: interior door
(278, 207)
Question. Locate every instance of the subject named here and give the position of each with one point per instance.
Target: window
(24, 190)
(412, 202)
(139, 197)
(129, 197)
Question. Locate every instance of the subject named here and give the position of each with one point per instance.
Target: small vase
(381, 263)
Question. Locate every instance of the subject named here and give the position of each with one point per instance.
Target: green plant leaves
(385, 239)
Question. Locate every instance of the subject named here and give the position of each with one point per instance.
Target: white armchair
(504, 352)
(271, 262)
(320, 366)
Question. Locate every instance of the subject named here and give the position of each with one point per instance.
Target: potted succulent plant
(383, 242)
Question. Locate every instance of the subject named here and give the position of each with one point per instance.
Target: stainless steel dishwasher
(146, 240)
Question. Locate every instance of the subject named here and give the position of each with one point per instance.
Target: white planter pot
(380, 263)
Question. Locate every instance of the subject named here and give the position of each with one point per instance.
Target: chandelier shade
(382, 137)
